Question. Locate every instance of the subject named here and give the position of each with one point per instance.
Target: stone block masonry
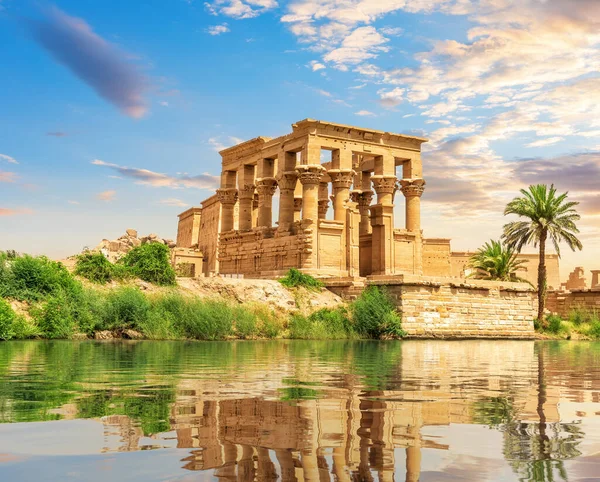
(563, 303)
(449, 308)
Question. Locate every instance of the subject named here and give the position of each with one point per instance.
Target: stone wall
(563, 303)
(188, 228)
(450, 308)
(436, 257)
(209, 235)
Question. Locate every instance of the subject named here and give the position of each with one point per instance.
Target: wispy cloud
(15, 212)
(7, 158)
(240, 8)
(57, 134)
(365, 113)
(218, 144)
(174, 202)
(73, 202)
(6, 176)
(314, 65)
(545, 142)
(217, 29)
(156, 179)
(106, 196)
(101, 65)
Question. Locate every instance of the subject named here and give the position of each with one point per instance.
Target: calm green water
(312, 411)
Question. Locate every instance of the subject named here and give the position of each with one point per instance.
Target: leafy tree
(549, 217)
(496, 261)
(150, 262)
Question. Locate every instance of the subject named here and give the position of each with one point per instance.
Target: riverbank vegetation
(580, 324)
(40, 298)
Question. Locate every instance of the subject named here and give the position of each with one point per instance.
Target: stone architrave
(227, 197)
(246, 197)
(341, 180)
(265, 187)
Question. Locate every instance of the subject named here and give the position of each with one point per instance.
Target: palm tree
(496, 261)
(549, 216)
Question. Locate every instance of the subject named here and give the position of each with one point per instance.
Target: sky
(112, 113)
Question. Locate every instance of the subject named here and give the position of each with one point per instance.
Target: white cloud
(545, 142)
(391, 98)
(239, 8)
(315, 65)
(6, 176)
(7, 158)
(362, 44)
(106, 196)
(164, 103)
(73, 202)
(365, 113)
(174, 202)
(217, 29)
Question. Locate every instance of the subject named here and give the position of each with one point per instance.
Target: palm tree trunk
(542, 279)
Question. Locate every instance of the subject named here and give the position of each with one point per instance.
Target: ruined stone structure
(335, 216)
(576, 280)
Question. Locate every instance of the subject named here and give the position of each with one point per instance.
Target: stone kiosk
(357, 184)
(333, 189)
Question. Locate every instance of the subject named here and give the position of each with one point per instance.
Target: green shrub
(246, 322)
(160, 324)
(94, 267)
(90, 311)
(207, 319)
(126, 307)
(594, 330)
(325, 324)
(270, 325)
(35, 278)
(150, 262)
(374, 315)
(555, 324)
(55, 317)
(7, 319)
(295, 278)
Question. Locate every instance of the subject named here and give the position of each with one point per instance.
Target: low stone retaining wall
(562, 303)
(454, 308)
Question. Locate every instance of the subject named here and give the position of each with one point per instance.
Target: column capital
(297, 204)
(412, 187)
(323, 207)
(287, 181)
(310, 173)
(227, 195)
(363, 198)
(384, 184)
(341, 178)
(266, 186)
(247, 191)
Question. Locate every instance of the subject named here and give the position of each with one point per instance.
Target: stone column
(227, 197)
(595, 279)
(255, 210)
(287, 185)
(310, 176)
(323, 199)
(265, 187)
(364, 200)
(412, 190)
(297, 208)
(246, 197)
(341, 180)
(382, 222)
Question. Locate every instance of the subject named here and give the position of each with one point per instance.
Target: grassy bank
(580, 324)
(40, 298)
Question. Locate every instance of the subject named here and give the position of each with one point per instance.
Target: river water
(300, 411)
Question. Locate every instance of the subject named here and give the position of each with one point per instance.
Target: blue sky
(112, 112)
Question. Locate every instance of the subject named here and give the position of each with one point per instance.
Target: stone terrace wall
(563, 303)
(451, 308)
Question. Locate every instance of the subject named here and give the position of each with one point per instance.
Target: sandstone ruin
(116, 249)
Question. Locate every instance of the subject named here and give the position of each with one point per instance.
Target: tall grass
(374, 315)
(325, 324)
(295, 278)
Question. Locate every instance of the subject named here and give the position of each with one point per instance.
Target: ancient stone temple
(333, 189)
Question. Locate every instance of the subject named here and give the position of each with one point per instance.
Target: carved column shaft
(310, 176)
(341, 180)
(287, 185)
(364, 200)
(323, 199)
(412, 190)
(265, 187)
(382, 222)
(227, 197)
(297, 208)
(246, 197)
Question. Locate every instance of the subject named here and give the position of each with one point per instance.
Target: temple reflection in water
(306, 421)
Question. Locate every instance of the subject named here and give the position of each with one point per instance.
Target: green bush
(246, 322)
(295, 278)
(374, 315)
(150, 262)
(55, 317)
(7, 319)
(270, 325)
(30, 278)
(325, 324)
(207, 319)
(126, 307)
(555, 324)
(95, 267)
(90, 311)
(160, 324)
